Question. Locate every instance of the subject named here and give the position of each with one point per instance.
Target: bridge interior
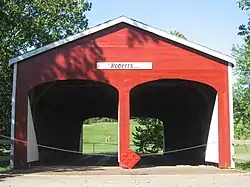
(60, 107)
(185, 107)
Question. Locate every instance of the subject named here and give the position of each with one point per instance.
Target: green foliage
(241, 90)
(244, 4)
(241, 93)
(4, 169)
(243, 166)
(244, 29)
(178, 34)
(148, 136)
(29, 24)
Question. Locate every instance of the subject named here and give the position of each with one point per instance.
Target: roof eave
(134, 23)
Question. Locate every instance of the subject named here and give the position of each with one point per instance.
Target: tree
(30, 24)
(241, 90)
(178, 34)
(148, 136)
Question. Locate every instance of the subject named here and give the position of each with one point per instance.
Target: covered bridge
(121, 69)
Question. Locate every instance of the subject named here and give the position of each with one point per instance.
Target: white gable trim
(134, 23)
(231, 116)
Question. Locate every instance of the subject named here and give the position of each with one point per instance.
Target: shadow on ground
(69, 159)
(100, 164)
(5, 171)
(110, 167)
(5, 175)
(157, 170)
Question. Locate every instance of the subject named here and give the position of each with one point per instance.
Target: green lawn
(241, 149)
(244, 152)
(102, 137)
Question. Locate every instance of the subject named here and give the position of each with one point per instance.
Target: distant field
(103, 137)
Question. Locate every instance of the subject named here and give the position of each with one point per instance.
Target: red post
(124, 117)
(127, 158)
(224, 130)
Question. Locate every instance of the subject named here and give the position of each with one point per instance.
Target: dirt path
(113, 177)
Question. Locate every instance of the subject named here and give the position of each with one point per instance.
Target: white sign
(124, 65)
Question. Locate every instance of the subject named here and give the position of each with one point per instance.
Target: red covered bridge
(121, 69)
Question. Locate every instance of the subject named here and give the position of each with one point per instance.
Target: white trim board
(118, 129)
(131, 22)
(212, 149)
(32, 147)
(13, 112)
(231, 118)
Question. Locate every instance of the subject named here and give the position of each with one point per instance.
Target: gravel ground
(171, 177)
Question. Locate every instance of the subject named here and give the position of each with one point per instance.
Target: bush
(149, 135)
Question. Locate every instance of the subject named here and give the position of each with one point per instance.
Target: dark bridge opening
(59, 109)
(185, 108)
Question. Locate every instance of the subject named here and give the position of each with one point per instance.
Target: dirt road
(189, 177)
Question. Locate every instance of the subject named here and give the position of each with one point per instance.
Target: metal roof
(135, 23)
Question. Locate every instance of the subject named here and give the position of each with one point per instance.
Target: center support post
(127, 158)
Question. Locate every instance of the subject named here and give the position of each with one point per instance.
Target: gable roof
(132, 22)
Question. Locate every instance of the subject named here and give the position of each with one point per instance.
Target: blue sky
(213, 23)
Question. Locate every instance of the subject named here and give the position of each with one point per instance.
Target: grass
(4, 169)
(103, 137)
(242, 149)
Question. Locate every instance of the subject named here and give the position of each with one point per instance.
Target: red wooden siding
(77, 60)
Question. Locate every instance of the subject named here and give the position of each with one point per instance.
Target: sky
(212, 23)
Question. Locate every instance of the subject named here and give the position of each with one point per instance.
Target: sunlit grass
(103, 137)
